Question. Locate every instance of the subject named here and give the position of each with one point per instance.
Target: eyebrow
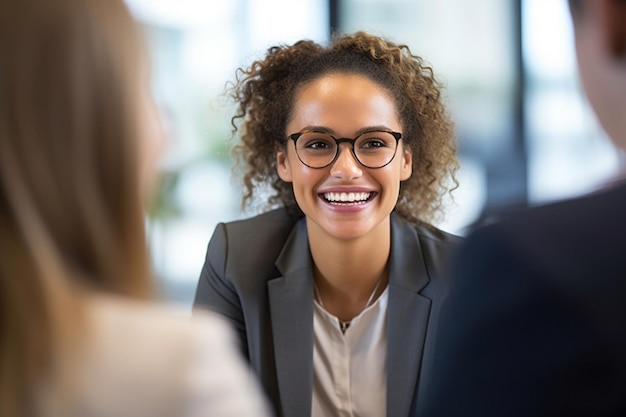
(324, 129)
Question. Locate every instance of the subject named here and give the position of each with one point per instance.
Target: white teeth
(346, 197)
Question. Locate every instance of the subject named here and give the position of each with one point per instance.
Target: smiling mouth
(347, 198)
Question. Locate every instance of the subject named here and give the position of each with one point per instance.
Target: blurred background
(526, 135)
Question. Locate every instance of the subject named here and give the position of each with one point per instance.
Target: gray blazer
(258, 273)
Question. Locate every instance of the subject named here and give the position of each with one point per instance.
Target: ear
(611, 19)
(282, 162)
(407, 164)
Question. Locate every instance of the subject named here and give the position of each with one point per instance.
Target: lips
(347, 197)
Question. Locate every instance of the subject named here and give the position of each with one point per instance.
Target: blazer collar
(407, 317)
(291, 305)
(406, 254)
(407, 267)
(291, 310)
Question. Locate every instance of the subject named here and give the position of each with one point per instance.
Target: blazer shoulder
(436, 246)
(439, 247)
(244, 250)
(430, 233)
(259, 231)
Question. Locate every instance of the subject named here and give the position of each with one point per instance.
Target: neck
(346, 272)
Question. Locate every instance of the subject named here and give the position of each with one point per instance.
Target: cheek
(304, 177)
(305, 181)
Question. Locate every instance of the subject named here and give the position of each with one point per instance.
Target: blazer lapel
(408, 275)
(291, 310)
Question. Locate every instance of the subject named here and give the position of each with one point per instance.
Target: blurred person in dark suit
(79, 137)
(534, 323)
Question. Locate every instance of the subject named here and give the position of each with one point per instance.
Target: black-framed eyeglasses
(372, 149)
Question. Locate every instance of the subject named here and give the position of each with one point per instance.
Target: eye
(316, 141)
(319, 144)
(374, 141)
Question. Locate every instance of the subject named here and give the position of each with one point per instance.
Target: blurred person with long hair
(79, 136)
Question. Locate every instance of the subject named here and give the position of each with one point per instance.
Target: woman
(333, 293)
(78, 141)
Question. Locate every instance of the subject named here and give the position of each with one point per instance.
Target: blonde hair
(71, 213)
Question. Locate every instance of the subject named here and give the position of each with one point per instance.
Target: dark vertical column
(507, 169)
(334, 16)
(519, 105)
(507, 173)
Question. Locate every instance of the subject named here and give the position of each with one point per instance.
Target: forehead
(343, 100)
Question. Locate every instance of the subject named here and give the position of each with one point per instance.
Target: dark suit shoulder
(579, 237)
(596, 211)
(588, 230)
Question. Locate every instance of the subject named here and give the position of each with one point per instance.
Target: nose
(346, 166)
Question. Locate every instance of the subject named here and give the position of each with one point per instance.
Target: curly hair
(266, 92)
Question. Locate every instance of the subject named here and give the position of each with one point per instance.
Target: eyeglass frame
(295, 136)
